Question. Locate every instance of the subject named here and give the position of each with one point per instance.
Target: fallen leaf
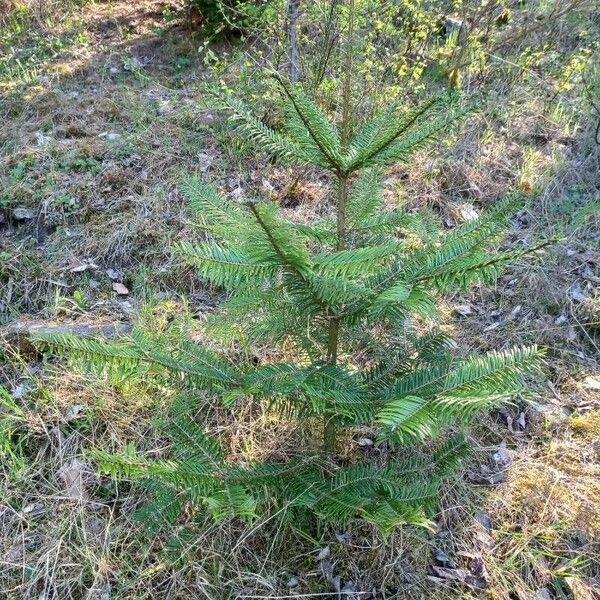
(71, 475)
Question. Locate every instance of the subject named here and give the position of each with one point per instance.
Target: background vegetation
(104, 111)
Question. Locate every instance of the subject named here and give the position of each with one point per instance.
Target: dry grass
(66, 532)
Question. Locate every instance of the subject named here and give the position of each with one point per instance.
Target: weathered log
(19, 333)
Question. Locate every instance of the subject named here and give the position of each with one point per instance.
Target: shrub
(225, 16)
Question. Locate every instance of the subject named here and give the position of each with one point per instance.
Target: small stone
(268, 185)
(41, 139)
(112, 274)
(20, 213)
(365, 442)
(20, 391)
(120, 289)
(83, 267)
(468, 212)
(205, 161)
(110, 136)
(576, 293)
(515, 311)
(134, 63)
(484, 519)
(105, 593)
(591, 382)
(464, 310)
(73, 411)
(343, 537)
(560, 320)
(502, 456)
(293, 582)
(237, 193)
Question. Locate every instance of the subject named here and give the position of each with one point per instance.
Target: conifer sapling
(352, 299)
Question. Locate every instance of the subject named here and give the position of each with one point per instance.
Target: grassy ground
(102, 115)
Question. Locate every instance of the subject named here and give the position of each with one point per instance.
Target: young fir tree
(343, 295)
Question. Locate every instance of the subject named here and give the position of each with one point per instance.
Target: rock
(120, 289)
(293, 582)
(20, 329)
(484, 520)
(20, 391)
(20, 213)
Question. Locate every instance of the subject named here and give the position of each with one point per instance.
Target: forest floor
(100, 122)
